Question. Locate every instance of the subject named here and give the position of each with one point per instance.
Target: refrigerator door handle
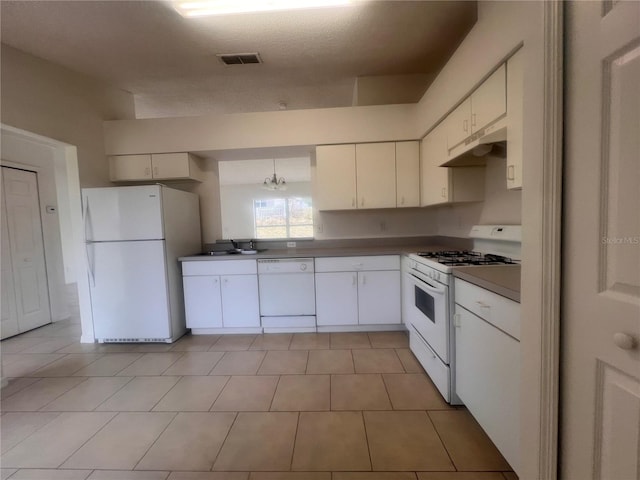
(90, 266)
(87, 241)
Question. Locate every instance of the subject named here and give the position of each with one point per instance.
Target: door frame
(67, 154)
(541, 273)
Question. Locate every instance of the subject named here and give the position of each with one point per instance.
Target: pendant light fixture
(274, 183)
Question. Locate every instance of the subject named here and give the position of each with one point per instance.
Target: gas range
(492, 245)
(445, 260)
(428, 298)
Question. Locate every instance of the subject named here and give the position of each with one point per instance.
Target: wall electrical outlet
(383, 226)
(291, 244)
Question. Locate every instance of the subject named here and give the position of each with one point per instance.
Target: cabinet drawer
(495, 309)
(437, 371)
(219, 267)
(350, 264)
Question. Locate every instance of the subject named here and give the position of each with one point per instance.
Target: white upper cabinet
(446, 184)
(124, 168)
(157, 166)
(489, 101)
(485, 105)
(335, 177)
(435, 179)
(376, 175)
(407, 174)
(458, 124)
(515, 80)
(367, 175)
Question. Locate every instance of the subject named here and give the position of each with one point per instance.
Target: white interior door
(600, 421)
(9, 323)
(26, 246)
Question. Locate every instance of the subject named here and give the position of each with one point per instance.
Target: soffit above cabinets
(311, 58)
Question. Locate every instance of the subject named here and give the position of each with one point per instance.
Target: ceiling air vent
(239, 58)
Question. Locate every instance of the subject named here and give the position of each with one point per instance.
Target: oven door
(429, 312)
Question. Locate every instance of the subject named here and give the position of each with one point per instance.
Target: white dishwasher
(287, 294)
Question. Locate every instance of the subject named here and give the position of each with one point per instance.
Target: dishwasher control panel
(285, 265)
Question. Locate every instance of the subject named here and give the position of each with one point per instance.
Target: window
(283, 218)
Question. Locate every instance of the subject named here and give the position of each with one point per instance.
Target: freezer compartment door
(122, 213)
(129, 290)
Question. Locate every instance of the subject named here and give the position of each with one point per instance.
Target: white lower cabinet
(488, 364)
(358, 290)
(221, 294)
(337, 298)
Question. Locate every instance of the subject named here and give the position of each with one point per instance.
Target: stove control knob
(303, 267)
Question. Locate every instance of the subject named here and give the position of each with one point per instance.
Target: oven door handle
(428, 287)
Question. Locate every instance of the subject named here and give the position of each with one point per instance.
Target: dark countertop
(501, 279)
(320, 252)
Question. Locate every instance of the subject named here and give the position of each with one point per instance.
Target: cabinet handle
(354, 280)
(624, 341)
(401, 200)
(511, 170)
(353, 201)
(215, 280)
(444, 192)
(364, 280)
(456, 320)
(155, 171)
(362, 202)
(473, 119)
(147, 171)
(465, 125)
(481, 304)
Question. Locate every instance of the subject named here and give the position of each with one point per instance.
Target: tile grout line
(295, 441)
(127, 365)
(180, 377)
(214, 364)
(386, 389)
(226, 437)
(441, 441)
(175, 415)
(115, 414)
(366, 436)
(220, 392)
(106, 399)
(273, 397)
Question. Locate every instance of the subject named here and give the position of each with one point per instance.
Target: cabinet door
(170, 165)
(489, 100)
(515, 80)
(407, 174)
(335, 185)
(130, 167)
(458, 124)
(337, 298)
(379, 297)
(435, 185)
(488, 361)
(376, 175)
(240, 307)
(202, 301)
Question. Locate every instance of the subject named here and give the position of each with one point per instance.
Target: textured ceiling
(312, 58)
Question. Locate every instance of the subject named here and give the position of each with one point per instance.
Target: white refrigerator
(134, 236)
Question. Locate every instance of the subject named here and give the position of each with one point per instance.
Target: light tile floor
(343, 406)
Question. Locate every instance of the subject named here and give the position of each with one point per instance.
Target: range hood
(475, 147)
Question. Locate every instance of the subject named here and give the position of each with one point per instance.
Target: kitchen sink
(232, 251)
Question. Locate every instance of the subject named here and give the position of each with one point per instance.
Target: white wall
(401, 222)
(50, 100)
(261, 130)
